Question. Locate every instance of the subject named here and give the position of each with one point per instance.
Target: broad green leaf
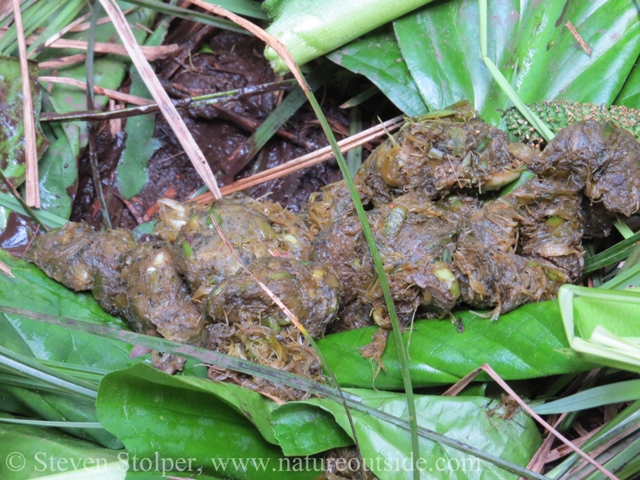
(378, 57)
(527, 40)
(49, 343)
(217, 425)
(385, 448)
(58, 173)
(594, 397)
(301, 430)
(629, 96)
(528, 342)
(12, 155)
(32, 452)
(140, 145)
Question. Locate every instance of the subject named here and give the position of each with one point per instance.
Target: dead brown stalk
(30, 151)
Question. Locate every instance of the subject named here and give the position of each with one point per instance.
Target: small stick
(579, 38)
(160, 96)
(182, 103)
(124, 97)
(30, 151)
(134, 211)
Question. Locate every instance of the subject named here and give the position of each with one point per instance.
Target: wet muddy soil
(216, 61)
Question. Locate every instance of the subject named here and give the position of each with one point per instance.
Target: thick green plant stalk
(559, 114)
(311, 29)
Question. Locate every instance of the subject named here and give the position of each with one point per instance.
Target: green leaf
(594, 397)
(385, 448)
(377, 56)
(46, 342)
(600, 324)
(311, 29)
(12, 155)
(302, 430)
(629, 96)
(58, 173)
(139, 146)
(619, 251)
(9, 203)
(528, 342)
(529, 43)
(624, 424)
(33, 452)
(155, 414)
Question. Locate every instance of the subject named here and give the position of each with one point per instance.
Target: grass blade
(619, 251)
(48, 219)
(31, 368)
(48, 423)
(594, 397)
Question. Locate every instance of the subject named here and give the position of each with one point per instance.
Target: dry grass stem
(4, 268)
(539, 460)
(62, 61)
(160, 96)
(151, 53)
(30, 151)
(124, 97)
(307, 160)
(487, 368)
(59, 34)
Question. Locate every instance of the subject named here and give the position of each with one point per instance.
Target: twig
(124, 97)
(579, 38)
(307, 160)
(251, 125)
(134, 211)
(182, 103)
(30, 151)
(160, 96)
